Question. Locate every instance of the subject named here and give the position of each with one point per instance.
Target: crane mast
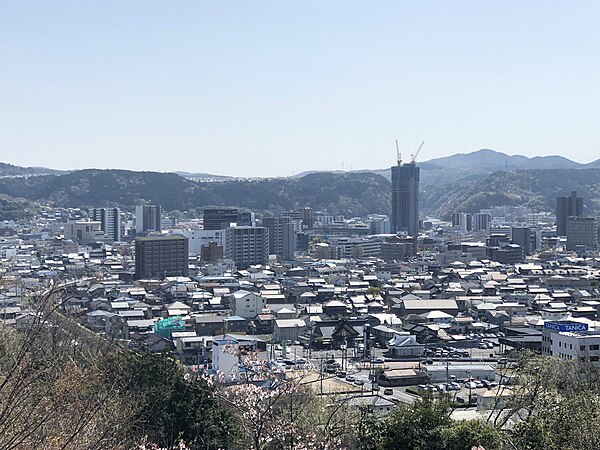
(398, 154)
(413, 157)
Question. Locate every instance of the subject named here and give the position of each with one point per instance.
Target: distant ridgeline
(459, 183)
(350, 194)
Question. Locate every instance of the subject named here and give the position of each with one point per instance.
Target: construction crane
(398, 154)
(413, 157)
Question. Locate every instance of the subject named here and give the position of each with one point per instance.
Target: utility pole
(321, 375)
(469, 373)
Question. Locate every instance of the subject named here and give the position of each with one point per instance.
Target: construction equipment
(398, 154)
(413, 157)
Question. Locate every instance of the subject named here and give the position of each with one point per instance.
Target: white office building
(200, 238)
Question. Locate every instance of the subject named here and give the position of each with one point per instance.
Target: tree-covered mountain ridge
(443, 191)
(537, 189)
(350, 194)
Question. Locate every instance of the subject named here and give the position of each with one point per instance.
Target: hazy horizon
(345, 169)
(258, 89)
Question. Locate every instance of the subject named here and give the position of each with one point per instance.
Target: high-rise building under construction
(405, 198)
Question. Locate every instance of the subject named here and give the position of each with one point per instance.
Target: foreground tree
(555, 406)
(52, 395)
(167, 406)
(426, 424)
(63, 387)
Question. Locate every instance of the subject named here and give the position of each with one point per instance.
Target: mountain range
(457, 183)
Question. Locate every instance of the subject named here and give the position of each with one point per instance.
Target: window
(594, 347)
(582, 348)
(594, 358)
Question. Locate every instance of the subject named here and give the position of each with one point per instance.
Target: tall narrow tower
(405, 198)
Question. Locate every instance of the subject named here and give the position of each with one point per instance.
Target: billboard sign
(561, 327)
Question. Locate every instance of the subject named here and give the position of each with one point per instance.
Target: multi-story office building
(301, 217)
(246, 219)
(220, 218)
(84, 231)
(506, 254)
(282, 236)
(582, 232)
(247, 245)
(147, 218)
(522, 236)
(567, 207)
(464, 221)
(307, 218)
(571, 340)
(110, 222)
(405, 199)
(481, 221)
(200, 238)
(357, 247)
(161, 256)
(379, 224)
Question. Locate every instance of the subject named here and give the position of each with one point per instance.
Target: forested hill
(351, 194)
(537, 189)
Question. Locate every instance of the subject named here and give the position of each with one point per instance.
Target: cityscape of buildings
(401, 290)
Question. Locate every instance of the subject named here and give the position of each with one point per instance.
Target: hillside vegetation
(536, 189)
(351, 194)
(460, 183)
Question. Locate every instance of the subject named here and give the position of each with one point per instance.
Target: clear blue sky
(264, 88)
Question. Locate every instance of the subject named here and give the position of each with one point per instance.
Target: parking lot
(337, 371)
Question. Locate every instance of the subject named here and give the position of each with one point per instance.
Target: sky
(275, 88)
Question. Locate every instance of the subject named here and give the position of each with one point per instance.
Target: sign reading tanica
(566, 326)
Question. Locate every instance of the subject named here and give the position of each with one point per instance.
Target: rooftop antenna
(413, 157)
(398, 154)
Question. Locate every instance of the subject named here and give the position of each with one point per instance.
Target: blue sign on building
(566, 326)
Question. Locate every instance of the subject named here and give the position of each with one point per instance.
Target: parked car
(388, 391)
(359, 382)
(350, 378)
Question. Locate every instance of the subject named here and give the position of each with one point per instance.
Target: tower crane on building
(398, 154)
(413, 157)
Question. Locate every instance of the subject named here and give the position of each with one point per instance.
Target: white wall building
(572, 345)
(225, 358)
(83, 232)
(199, 238)
(246, 304)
